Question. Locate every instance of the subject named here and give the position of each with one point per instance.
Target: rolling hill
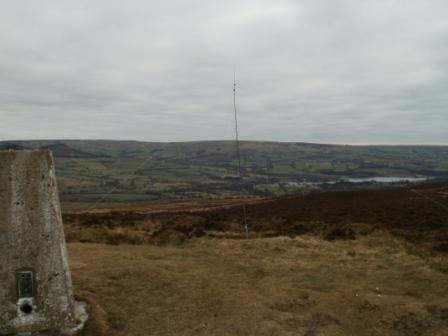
(108, 171)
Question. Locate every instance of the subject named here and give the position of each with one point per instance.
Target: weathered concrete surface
(32, 240)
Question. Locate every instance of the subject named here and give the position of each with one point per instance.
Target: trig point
(36, 295)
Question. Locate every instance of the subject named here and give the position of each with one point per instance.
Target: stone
(35, 282)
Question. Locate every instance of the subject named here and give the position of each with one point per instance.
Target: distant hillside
(62, 150)
(10, 145)
(112, 148)
(132, 170)
(58, 148)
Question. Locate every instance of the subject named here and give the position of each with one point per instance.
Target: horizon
(232, 140)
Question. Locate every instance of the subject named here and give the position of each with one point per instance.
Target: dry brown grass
(374, 285)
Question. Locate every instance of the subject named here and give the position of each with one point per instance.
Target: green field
(119, 171)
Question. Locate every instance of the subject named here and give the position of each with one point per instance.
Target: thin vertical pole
(238, 154)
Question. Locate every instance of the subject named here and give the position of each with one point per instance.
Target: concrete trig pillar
(35, 282)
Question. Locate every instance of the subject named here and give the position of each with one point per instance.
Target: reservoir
(386, 179)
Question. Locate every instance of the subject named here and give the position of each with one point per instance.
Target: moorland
(157, 244)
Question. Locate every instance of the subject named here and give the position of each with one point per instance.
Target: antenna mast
(238, 154)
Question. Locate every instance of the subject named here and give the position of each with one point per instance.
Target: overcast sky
(327, 71)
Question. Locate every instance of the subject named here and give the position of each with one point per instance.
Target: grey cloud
(343, 71)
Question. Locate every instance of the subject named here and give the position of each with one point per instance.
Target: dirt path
(177, 206)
